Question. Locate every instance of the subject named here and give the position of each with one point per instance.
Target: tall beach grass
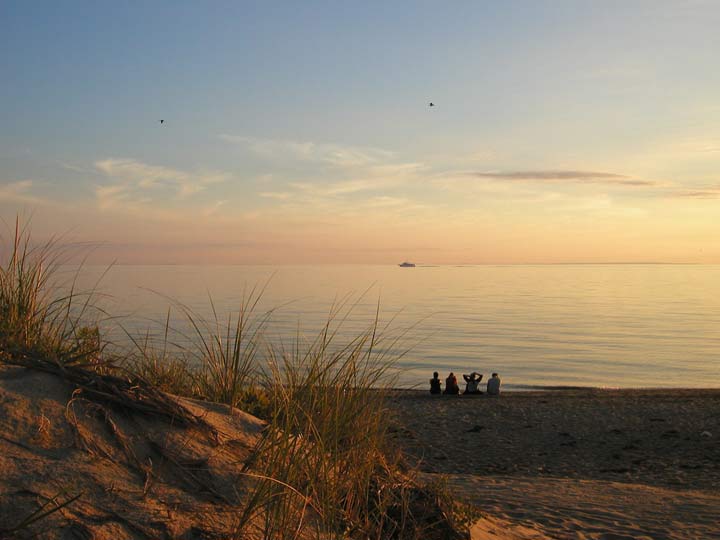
(325, 467)
(40, 314)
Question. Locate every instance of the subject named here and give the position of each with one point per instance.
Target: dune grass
(161, 364)
(227, 353)
(325, 466)
(216, 360)
(35, 317)
(324, 443)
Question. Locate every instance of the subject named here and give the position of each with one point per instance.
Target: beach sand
(601, 465)
(135, 475)
(581, 464)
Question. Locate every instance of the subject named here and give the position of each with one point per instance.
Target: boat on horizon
(406, 265)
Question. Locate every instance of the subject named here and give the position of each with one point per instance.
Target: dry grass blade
(131, 394)
(40, 514)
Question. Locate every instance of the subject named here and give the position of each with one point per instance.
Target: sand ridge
(138, 476)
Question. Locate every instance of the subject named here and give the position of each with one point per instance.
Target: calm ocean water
(555, 325)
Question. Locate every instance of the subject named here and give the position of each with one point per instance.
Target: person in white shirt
(493, 385)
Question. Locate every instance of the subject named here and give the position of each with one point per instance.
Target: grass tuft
(326, 466)
(35, 318)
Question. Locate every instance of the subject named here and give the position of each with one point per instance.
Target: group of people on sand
(472, 384)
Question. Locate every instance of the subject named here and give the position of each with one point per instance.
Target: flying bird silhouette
(162, 121)
(431, 104)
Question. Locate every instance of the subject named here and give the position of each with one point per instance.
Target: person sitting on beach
(472, 382)
(493, 385)
(435, 384)
(451, 385)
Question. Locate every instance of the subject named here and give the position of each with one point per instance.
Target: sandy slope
(139, 476)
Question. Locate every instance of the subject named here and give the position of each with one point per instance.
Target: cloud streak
(709, 192)
(134, 182)
(560, 176)
(334, 155)
(20, 191)
(340, 174)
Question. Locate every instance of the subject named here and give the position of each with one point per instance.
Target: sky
(301, 132)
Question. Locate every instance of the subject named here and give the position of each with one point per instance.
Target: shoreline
(530, 389)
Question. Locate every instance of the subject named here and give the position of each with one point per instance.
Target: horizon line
(417, 265)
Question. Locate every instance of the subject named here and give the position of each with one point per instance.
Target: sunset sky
(300, 132)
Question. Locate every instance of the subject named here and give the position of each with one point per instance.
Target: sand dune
(138, 476)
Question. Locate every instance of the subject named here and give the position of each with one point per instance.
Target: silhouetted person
(451, 385)
(472, 383)
(435, 384)
(493, 385)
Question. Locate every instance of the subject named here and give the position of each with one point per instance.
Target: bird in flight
(162, 121)
(431, 104)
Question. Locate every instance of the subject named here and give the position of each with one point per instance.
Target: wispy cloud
(335, 155)
(341, 177)
(73, 167)
(384, 201)
(20, 191)
(559, 176)
(335, 189)
(279, 195)
(378, 178)
(213, 209)
(140, 183)
(709, 192)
